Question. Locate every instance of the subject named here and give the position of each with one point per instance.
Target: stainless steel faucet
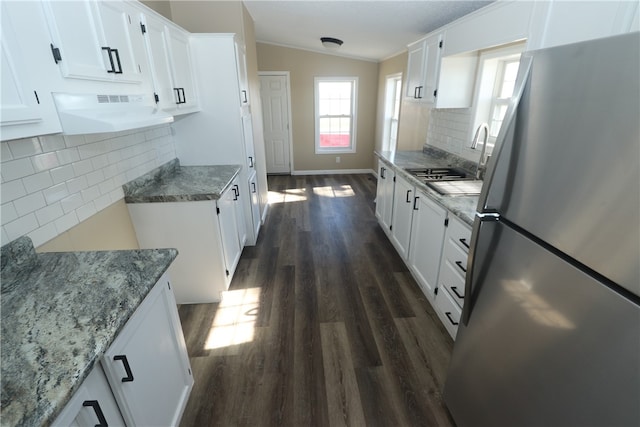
(481, 166)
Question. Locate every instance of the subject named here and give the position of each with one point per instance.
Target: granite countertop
(464, 207)
(174, 183)
(60, 313)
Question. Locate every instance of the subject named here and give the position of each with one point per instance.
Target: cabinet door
(247, 132)
(432, 53)
(384, 196)
(243, 80)
(427, 228)
(147, 364)
(92, 404)
(158, 55)
(255, 204)
(402, 213)
(27, 72)
(415, 71)
(228, 223)
(240, 196)
(124, 36)
(183, 87)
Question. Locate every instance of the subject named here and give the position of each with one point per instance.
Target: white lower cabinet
(144, 378)
(402, 213)
(427, 234)
(255, 203)
(384, 196)
(453, 270)
(206, 236)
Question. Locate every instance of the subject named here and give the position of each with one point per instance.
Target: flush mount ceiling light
(331, 43)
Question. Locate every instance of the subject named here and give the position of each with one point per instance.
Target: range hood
(91, 113)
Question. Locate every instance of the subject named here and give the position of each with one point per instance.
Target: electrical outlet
(337, 159)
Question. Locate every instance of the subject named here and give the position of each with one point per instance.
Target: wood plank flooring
(323, 325)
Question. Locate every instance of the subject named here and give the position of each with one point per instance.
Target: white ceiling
(371, 29)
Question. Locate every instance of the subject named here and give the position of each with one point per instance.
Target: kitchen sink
(439, 174)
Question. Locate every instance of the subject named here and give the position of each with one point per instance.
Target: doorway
(276, 115)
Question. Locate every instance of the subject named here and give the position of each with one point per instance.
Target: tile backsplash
(51, 183)
(449, 130)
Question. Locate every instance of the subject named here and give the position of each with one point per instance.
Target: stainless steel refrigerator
(550, 331)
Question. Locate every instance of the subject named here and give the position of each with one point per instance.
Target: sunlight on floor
(235, 319)
(287, 196)
(335, 191)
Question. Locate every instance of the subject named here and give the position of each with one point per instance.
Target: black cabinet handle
(184, 98)
(117, 60)
(453, 288)
(102, 421)
(464, 243)
(408, 200)
(177, 91)
(419, 92)
(244, 96)
(459, 264)
(448, 314)
(382, 170)
(250, 161)
(127, 368)
(253, 186)
(113, 67)
(236, 190)
(415, 203)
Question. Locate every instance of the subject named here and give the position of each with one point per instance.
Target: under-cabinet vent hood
(90, 113)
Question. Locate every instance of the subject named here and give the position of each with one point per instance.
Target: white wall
(51, 183)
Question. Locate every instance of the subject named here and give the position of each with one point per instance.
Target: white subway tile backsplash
(68, 155)
(63, 173)
(72, 202)
(37, 182)
(46, 161)
(56, 193)
(5, 153)
(15, 169)
(4, 238)
(43, 234)
(12, 190)
(49, 213)
(25, 147)
(66, 222)
(8, 212)
(52, 182)
(30, 203)
(85, 211)
(52, 143)
(82, 167)
(21, 226)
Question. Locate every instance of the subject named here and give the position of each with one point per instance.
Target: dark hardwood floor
(322, 325)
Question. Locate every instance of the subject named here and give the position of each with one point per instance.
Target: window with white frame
(393, 92)
(335, 110)
(497, 71)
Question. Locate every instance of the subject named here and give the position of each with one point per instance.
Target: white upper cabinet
(96, 40)
(423, 67)
(243, 80)
(169, 54)
(26, 106)
(415, 70)
(571, 22)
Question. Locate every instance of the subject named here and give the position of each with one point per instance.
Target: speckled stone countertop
(464, 207)
(174, 183)
(60, 313)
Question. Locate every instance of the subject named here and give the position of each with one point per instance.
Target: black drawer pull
(408, 199)
(253, 186)
(113, 66)
(250, 161)
(102, 421)
(459, 264)
(453, 288)
(127, 368)
(382, 173)
(448, 314)
(117, 60)
(415, 203)
(464, 243)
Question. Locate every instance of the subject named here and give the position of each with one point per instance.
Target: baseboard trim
(334, 172)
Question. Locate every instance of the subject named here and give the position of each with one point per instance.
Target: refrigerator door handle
(505, 129)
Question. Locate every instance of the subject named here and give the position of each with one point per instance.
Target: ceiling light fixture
(331, 43)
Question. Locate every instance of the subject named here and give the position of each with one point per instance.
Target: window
(335, 114)
(495, 84)
(393, 92)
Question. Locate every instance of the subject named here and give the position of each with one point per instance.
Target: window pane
(509, 80)
(335, 132)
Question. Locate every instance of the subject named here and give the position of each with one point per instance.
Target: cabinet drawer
(451, 280)
(448, 311)
(459, 233)
(456, 256)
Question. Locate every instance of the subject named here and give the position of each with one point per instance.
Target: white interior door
(275, 112)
